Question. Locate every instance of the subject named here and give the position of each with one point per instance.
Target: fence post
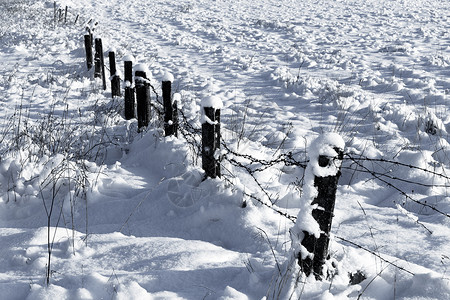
(142, 95)
(90, 29)
(54, 13)
(176, 99)
(169, 109)
(129, 90)
(211, 135)
(217, 137)
(115, 78)
(88, 47)
(99, 62)
(318, 200)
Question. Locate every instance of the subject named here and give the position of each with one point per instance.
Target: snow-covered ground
(127, 215)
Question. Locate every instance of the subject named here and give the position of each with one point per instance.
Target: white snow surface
(168, 77)
(142, 68)
(128, 57)
(127, 215)
(212, 101)
(176, 97)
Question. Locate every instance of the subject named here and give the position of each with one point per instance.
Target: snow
(326, 145)
(128, 57)
(168, 77)
(129, 214)
(141, 68)
(212, 101)
(176, 97)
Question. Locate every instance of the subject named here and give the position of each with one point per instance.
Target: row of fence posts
(60, 15)
(137, 99)
(211, 139)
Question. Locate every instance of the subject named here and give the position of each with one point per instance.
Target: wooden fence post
(129, 90)
(170, 123)
(323, 172)
(90, 29)
(217, 137)
(142, 95)
(88, 47)
(99, 62)
(176, 99)
(115, 78)
(211, 135)
(54, 13)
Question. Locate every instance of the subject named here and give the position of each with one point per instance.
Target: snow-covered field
(126, 215)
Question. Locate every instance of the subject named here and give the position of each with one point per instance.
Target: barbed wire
(379, 176)
(252, 165)
(382, 160)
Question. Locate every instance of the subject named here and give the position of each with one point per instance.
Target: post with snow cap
(115, 78)
(90, 29)
(129, 90)
(211, 135)
(142, 95)
(99, 62)
(311, 232)
(170, 106)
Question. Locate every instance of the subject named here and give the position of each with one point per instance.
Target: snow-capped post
(90, 29)
(311, 232)
(169, 108)
(210, 120)
(99, 62)
(129, 90)
(142, 95)
(115, 78)
(88, 47)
